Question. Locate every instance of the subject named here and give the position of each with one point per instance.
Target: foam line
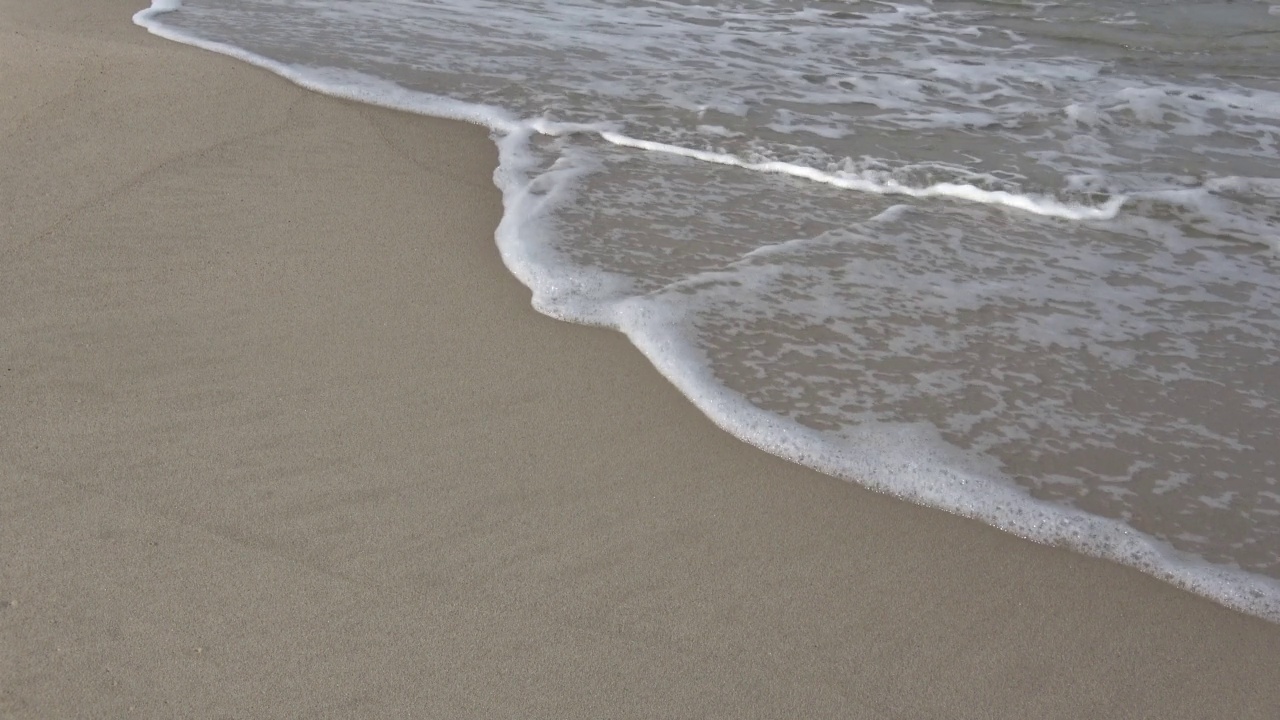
(936, 477)
(1028, 203)
(369, 90)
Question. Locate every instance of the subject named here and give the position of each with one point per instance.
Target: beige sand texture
(281, 438)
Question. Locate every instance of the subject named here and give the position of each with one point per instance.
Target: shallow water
(1016, 260)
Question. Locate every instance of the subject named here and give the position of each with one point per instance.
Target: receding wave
(956, 254)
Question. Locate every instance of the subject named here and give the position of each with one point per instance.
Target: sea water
(1016, 260)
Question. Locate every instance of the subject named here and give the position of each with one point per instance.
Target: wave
(912, 460)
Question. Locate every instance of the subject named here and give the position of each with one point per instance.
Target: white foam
(160, 6)
(1038, 205)
(344, 84)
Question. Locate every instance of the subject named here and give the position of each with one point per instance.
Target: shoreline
(995, 501)
(282, 436)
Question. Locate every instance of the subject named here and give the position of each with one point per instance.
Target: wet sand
(280, 437)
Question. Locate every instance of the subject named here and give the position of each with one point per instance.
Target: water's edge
(973, 495)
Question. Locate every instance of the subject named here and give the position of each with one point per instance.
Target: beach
(280, 436)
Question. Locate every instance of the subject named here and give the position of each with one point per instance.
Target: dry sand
(280, 437)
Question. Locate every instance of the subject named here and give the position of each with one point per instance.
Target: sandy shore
(280, 437)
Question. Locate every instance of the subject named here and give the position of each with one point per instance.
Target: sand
(280, 437)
